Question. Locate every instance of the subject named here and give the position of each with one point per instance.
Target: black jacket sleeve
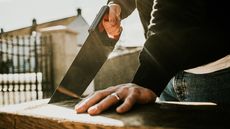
(166, 53)
(187, 34)
(127, 6)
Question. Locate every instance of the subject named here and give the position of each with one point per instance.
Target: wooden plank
(39, 114)
(28, 122)
(7, 121)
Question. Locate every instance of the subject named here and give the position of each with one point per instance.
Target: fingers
(131, 99)
(112, 23)
(127, 105)
(114, 14)
(90, 101)
(113, 20)
(137, 95)
(103, 105)
(113, 32)
(102, 100)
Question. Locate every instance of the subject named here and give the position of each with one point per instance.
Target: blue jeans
(188, 87)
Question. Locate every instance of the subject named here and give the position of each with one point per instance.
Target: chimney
(2, 31)
(34, 26)
(78, 11)
(34, 22)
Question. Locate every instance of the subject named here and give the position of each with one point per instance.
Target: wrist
(115, 8)
(112, 3)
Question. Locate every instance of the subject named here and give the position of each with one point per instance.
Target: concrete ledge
(120, 68)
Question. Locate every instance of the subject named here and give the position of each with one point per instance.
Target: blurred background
(40, 38)
(15, 14)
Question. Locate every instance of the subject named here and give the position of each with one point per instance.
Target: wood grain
(40, 115)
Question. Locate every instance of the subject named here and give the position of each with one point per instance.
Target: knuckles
(99, 94)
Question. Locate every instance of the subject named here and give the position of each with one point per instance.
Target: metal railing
(25, 68)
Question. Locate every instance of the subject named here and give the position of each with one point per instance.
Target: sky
(16, 14)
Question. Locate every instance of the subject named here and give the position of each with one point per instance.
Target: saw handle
(97, 21)
(97, 28)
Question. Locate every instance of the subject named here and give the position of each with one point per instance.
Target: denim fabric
(210, 87)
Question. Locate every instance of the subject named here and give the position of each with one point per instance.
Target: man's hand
(129, 94)
(112, 22)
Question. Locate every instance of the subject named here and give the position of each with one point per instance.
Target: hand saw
(87, 63)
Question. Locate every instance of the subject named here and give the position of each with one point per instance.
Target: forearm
(127, 6)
